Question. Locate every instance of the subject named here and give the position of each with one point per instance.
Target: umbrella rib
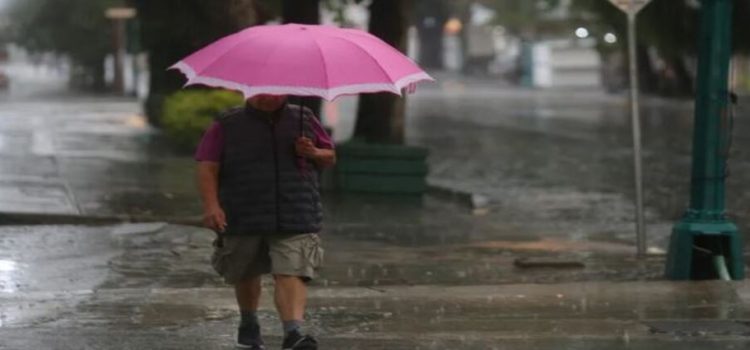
(367, 36)
(325, 63)
(228, 51)
(368, 54)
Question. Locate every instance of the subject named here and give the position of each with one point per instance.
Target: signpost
(119, 15)
(631, 8)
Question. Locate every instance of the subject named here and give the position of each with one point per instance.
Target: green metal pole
(705, 223)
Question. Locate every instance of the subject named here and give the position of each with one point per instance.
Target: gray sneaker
(249, 338)
(296, 341)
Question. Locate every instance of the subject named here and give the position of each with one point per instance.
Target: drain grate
(700, 327)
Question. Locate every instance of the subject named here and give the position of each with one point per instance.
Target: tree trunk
(684, 80)
(97, 72)
(430, 18)
(647, 78)
(380, 117)
(303, 12)
(172, 29)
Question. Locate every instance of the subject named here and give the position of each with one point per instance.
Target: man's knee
(281, 278)
(249, 282)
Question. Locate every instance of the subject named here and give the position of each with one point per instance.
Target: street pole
(636, 121)
(118, 41)
(119, 16)
(705, 233)
(631, 9)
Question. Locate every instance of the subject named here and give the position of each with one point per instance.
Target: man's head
(267, 103)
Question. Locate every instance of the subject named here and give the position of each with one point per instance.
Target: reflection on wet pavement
(93, 286)
(401, 273)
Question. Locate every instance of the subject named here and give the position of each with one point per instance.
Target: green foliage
(188, 113)
(338, 8)
(172, 29)
(519, 16)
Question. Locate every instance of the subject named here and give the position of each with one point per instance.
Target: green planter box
(377, 168)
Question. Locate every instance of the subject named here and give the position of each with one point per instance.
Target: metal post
(705, 228)
(636, 120)
(119, 15)
(118, 41)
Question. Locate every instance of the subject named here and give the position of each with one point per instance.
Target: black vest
(264, 188)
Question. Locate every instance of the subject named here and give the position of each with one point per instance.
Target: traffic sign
(630, 6)
(120, 13)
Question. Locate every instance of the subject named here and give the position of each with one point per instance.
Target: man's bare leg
(248, 294)
(248, 297)
(290, 295)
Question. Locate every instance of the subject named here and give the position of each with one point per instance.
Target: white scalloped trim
(407, 82)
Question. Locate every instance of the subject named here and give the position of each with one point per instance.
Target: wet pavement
(149, 286)
(401, 273)
(560, 162)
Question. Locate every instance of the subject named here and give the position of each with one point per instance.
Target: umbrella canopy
(302, 60)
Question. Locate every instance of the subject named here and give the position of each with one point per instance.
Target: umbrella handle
(301, 117)
(303, 161)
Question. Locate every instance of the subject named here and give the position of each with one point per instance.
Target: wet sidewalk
(401, 273)
(149, 286)
(72, 157)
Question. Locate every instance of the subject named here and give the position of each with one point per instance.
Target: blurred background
(529, 115)
(546, 44)
(510, 179)
(529, 112)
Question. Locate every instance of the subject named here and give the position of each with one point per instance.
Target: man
(258, 177)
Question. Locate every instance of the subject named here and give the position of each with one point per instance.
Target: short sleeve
(322, 139)
(211, 146)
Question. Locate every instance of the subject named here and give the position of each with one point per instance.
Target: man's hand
(321, 156)
(208, 181)
(306, 148)
(215, 219)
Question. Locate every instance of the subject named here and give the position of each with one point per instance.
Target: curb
(471, 200)
(37, 219)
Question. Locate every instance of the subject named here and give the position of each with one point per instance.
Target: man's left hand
(306, 148)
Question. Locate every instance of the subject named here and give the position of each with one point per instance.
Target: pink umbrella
(302, 60)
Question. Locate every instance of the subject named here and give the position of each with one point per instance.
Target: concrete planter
(381, 168)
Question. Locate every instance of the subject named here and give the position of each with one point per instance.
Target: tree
(670, 28)
(302, 12)
(172, 29)
(430, 17)
(76, 28)
(380, 117)
(522, 18)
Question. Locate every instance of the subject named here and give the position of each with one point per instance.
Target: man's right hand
(215, 219)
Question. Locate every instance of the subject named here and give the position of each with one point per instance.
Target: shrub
(187, 114)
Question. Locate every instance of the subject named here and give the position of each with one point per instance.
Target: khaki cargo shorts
(239, 258)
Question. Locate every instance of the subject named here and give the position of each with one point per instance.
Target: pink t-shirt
(212, 144)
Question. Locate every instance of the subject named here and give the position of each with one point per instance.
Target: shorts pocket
(313, 251)
(220, 257)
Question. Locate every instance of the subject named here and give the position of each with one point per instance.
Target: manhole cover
(700, 327)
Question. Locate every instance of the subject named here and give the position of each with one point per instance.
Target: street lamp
(119, 15)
